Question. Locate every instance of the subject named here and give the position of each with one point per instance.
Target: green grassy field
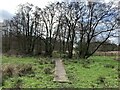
(37, 72)
(96, 72)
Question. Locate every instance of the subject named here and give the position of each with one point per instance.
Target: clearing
(38, 72)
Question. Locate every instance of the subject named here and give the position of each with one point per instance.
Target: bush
(47, 70)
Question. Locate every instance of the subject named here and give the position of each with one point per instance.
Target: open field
(37, 72)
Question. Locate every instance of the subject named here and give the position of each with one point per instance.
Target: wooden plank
(60, 74)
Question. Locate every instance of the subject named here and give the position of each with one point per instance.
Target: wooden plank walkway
(60, 74)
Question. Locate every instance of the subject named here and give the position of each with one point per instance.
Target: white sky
(11, 5)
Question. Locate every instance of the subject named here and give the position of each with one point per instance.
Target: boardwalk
(60, 74)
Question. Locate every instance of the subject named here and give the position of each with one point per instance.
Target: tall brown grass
(10, 70)
(109, 53)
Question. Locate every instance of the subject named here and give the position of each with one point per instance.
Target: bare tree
(66, 24)
(98, 20)
(48, 16)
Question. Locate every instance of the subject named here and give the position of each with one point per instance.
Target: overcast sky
(9, 7)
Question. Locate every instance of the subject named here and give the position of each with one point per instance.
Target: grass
(93, 73)
(36, 79)
(96, 72)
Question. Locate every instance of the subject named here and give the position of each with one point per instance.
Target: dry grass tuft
(9, 70)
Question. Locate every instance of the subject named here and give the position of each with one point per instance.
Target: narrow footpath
(60, 74)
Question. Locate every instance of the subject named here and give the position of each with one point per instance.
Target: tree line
(61, 27)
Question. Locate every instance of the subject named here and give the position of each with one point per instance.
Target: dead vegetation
(9, 70)
(109, 53)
